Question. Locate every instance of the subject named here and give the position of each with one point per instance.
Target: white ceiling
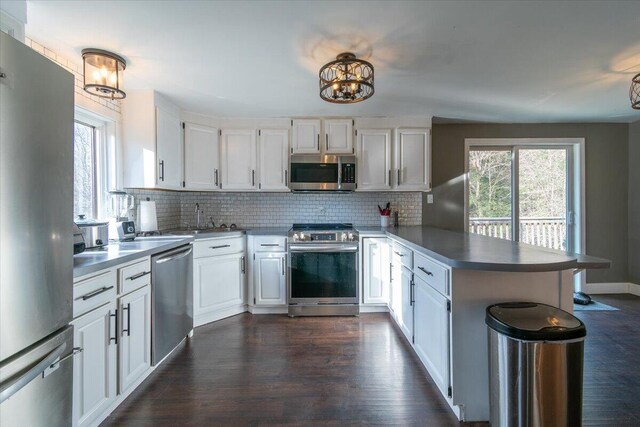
(482, 61)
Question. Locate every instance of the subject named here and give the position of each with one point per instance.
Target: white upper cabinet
(413, 159)
(274, 159)
(239, 152)
(201, 157)
(169, 148)
(374, 159)
(306, 137)
(152, 141)
(338, 136)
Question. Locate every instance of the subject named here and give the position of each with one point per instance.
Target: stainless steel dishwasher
(171, 299)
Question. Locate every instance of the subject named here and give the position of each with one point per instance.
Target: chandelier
(103, 73)
(634, 92)
(346, 80)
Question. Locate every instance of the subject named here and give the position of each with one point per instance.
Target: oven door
(323, 274)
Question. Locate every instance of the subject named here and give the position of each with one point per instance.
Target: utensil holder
(385, 220)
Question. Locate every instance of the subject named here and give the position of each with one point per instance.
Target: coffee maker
(120, 203)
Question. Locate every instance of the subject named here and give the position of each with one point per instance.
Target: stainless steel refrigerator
(36, 245)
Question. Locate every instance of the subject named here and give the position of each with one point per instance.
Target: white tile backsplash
(176, 209)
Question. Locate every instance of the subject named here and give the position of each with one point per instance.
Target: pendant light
(102, 72)
(346, 80)
(634, 92)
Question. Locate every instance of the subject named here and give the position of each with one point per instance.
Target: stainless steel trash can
(536, 355)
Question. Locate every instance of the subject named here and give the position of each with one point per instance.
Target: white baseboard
(254, 309)
(613, 288)
(373, 309)
(205, 318)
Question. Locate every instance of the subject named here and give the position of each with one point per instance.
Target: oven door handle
(322, 248)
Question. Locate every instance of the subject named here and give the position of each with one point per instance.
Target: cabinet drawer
(134, 276)
(402, 253)
(270, 244)
(433, 273)
(93, 291)
(212, 247)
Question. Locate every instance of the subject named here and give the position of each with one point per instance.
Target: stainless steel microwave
(322, 173)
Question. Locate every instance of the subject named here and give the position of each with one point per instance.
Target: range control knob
(351, 237)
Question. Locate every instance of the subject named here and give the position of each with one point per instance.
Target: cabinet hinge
(220, 132)
(449, 306)
(260, 186)
(291, 122)
(259, 132)
(182, 125)
(413, 339)
(353, 151)
(254, 257)
(254, 300)
(353, 122)
(183, 184)
(356, 185)
(449, 391)
(291, 150)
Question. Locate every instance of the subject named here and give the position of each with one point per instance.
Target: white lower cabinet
(270, 272)
(406, 304)
(432, 332)
(219, 280)
(135, 336)
(94, 369)
(375, 271)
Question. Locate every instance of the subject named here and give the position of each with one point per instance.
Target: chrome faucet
(197, 215)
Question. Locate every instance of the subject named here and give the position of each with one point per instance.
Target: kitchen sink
(193, 232)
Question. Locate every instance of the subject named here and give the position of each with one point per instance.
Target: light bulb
(104, 71)
(114, 78)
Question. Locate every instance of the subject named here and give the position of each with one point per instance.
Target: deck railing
(546, 232)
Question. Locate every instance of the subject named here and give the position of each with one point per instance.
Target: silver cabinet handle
(326, 135)
(411, 286)
(390, 273)
(10, 388)
(269, 244)
(318, 142)
(398, 176)
(113, 338)
(215, 173)
(161, 170)
(96, 292)
(253, 177)
(286, 178)
(137, 276)
(128, 330)
(283, 265)
(389, 177)
(75, 351)
(424, 270)
(398, 253)
(219, 246)
(243, 265)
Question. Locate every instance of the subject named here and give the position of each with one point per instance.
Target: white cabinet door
(218, 283)
(306, 137)
(135, 336)
(274, 159)
(338, 136)
(374, 159)
(239, 159)
(406, 318)
(413, 159)
(375, 272)
(94, 369)
(169, 149)
(270, 273)
(201, 157)
(432, 332)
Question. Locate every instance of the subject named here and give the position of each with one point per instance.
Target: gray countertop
(475, 252)
(113, 254)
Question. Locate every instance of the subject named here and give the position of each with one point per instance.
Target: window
(84, 170)
(93, 164)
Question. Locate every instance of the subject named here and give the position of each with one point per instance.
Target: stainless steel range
(323, 270)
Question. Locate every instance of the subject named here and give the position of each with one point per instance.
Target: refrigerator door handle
(12, 387)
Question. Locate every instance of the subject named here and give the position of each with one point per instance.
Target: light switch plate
(429, 198)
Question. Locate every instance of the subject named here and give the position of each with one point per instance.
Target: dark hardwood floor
(273, 370)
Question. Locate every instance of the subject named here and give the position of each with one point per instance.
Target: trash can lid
(531, 321)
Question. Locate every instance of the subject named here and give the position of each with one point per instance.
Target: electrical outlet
(430, 198)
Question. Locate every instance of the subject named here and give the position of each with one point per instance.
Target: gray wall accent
(607, 181)
(634, 202)
(175, 208)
